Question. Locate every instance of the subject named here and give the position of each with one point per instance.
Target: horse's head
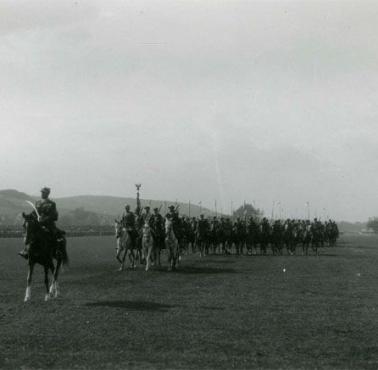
(168, 225)
(146, 228)
(30, 225)
(118, 228)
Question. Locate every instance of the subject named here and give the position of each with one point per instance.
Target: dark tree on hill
(247, 210)
(373, 224)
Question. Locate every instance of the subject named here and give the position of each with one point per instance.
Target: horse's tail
(64, 254)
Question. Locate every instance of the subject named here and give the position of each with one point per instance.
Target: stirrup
(24, 254)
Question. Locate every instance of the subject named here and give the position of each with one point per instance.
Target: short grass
(214, 313)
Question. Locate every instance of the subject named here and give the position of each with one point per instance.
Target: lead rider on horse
(48, 215)
(128, 221)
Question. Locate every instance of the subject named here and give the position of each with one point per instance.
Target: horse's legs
(119, 259)
(169, 258)
(149, 252)
(28, 282)
(54, 288)
(174, 252)
(146, 257)
(176, 255)
(46, 269)
(157, 254)
(119, 251)
(132, 258)
(126, 254)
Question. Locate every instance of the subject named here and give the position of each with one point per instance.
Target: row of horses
(260, 243)
(52, 254)
(146, 248)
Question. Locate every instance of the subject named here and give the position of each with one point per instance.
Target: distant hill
(12, 203)
(78, 209)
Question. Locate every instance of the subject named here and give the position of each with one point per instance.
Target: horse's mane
(32, 216)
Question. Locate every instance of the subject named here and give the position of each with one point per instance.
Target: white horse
(147, 244)
(172, 245)
(124, 244)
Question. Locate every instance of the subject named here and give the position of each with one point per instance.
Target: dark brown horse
(43, 248)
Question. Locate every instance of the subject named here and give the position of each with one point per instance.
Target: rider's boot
(25, 252)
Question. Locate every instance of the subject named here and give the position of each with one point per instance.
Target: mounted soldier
(146, 217)
(47, 214)
(128, 221)
(176, 222)
(157, 224)
(265, 235)
(202, 235)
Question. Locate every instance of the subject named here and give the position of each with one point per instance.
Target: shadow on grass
(212, 308)
(220, 260)
(132, 305)
(204, 270)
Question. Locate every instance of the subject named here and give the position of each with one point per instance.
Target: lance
(272, 215)
(138, 204)
(33, 206)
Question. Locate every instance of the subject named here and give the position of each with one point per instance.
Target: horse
(202, 241)
(147, 244)
(276, 238)
(42, 250)
(124, 244)
(172, 245)
(306, 241)
(159, 244)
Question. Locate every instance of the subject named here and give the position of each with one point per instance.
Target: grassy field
(216, 312)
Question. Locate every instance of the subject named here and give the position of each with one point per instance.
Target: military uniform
(203, 228)
(128, 221)
(48, 213)
(145, 218)
(157, 224)
(176, 222)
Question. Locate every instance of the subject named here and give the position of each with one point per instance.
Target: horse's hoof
(47, 297)
(27, 299)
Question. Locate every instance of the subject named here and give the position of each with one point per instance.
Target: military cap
(171, 207)
(45, 190)
(156, 209)
(147, 207)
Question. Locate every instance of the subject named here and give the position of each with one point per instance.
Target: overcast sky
(266, 102)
